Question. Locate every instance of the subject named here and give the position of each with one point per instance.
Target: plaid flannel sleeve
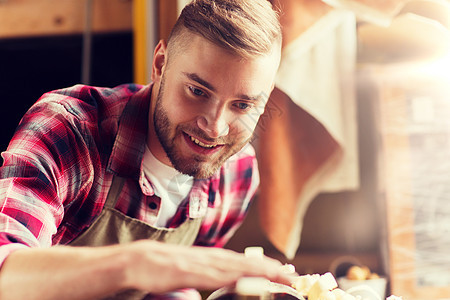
(45, 163)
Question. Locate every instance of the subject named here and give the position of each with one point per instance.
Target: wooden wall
(25, 18)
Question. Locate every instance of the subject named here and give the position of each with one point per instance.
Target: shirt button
(153, 205)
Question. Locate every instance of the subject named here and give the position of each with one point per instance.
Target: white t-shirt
(169, 185)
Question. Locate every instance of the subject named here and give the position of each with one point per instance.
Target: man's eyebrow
(250, 97)
(199, 80)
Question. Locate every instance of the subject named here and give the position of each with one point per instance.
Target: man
(138, 173)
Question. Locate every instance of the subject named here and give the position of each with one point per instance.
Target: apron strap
(114, 191)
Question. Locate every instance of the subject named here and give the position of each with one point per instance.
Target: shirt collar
(129, 145)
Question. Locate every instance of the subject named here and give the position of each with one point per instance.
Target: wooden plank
(168, 16)
(397, 183)
(416, 206)
(24, 18)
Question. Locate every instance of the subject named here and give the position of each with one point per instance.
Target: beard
(197, 166)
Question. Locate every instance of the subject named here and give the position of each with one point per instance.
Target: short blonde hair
(244, 27)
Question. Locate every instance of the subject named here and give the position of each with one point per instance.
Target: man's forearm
(62, 273)
(92, 273)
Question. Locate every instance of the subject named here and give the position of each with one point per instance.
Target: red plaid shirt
(59, 165)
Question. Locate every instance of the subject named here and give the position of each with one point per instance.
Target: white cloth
(168, 184)
(317, 72)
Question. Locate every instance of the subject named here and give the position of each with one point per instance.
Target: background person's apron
(114, 227)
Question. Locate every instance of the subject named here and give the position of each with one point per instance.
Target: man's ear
(159, 60)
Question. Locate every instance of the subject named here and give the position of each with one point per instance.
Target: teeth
(200, 143)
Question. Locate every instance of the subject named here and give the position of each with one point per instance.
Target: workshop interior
(364, 129)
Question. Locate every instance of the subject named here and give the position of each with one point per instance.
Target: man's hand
(158, 267)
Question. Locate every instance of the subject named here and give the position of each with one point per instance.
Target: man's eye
(196, 91)
(243, 106)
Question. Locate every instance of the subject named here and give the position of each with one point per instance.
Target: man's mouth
(202, 147)
(201, 144)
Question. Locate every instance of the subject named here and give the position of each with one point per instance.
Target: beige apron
(114, 227)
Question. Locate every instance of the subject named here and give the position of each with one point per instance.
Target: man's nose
(214, 125)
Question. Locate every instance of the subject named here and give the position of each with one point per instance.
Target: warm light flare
(438, 68)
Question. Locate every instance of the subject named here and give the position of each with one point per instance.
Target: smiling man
(129, 192)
